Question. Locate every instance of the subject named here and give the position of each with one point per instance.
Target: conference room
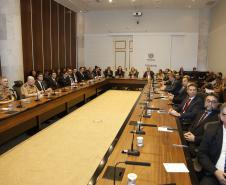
(111, 92)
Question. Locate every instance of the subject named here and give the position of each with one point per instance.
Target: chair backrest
(210, 123)
(17, 88)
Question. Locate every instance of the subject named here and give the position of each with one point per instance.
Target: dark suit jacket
(174, 87)
(44, 85)
(197, 128)
(108, 74)
(182, 94)
(53, 84)
(80, 76)
(210, 147)
(88, 75)
(119, 73)
(151, 73)
(63, 82)
(194, 107)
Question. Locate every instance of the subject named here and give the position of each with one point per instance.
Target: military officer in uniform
(6, 95)
(29, 89)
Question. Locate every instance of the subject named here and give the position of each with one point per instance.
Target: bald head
(30, 80)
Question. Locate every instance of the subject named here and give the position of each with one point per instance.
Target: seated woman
(6, 96)
(120, 73)
(160, 75)
(133, 73)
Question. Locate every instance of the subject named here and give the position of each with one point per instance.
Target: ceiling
(93, 5)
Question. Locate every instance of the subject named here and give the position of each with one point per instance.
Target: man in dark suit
(108, 73)
(41, 84)
(148, 74)
(209, 114)
(64, 80)
(212, 152)
(119, 73)
(182, 93)
(53, 81)
(80, 74)
(188, 109)
(174, 86)
(88, 74)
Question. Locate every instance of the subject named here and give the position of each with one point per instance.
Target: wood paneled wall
(48, 34)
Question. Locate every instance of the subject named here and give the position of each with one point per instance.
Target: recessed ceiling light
(110, 1)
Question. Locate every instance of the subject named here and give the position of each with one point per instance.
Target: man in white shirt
(212, 152)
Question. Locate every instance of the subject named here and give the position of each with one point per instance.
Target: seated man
(212, 150)
(120, 73)
(174, 86)
(80, 74)
(6, 96)
(182, 93)
(41, 84)
(108, 73)
(64, 80)
(71, 77)
(209, 114)
(188, 109)
(29, 89)
(53, 84)
(149, 74)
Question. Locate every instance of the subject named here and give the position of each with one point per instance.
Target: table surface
(69, 151)
(62, 164)
(158, 149)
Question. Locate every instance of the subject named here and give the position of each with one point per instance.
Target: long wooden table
(158, 147)
(34, 113)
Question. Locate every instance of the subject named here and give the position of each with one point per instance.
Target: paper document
(164, 129)
(175, 167)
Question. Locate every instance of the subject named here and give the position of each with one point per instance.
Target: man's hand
(189, 136)
(221, 176)
(174, 113)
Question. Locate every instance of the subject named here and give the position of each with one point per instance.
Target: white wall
(168, 51)
(217, 39)
(99, 51)
(152, 35)
(158, 20)
(11, 40)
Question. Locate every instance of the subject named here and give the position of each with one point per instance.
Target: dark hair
(193, 85)
(214, 95)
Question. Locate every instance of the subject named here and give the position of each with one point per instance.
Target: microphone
(19, 105)
(37, 97)
(132, 151)
(137, 163)
(130, 163)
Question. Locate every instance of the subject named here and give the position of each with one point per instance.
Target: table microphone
(130, 163)
(37, 97)
(132, 151)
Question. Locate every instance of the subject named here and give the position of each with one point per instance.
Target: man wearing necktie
(209, 114)
(212, 152)
(41, 84)
(189, 108)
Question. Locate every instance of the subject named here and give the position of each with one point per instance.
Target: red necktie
(202, 117)
(186, 105)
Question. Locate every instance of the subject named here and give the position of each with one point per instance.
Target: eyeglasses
(213, 101)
